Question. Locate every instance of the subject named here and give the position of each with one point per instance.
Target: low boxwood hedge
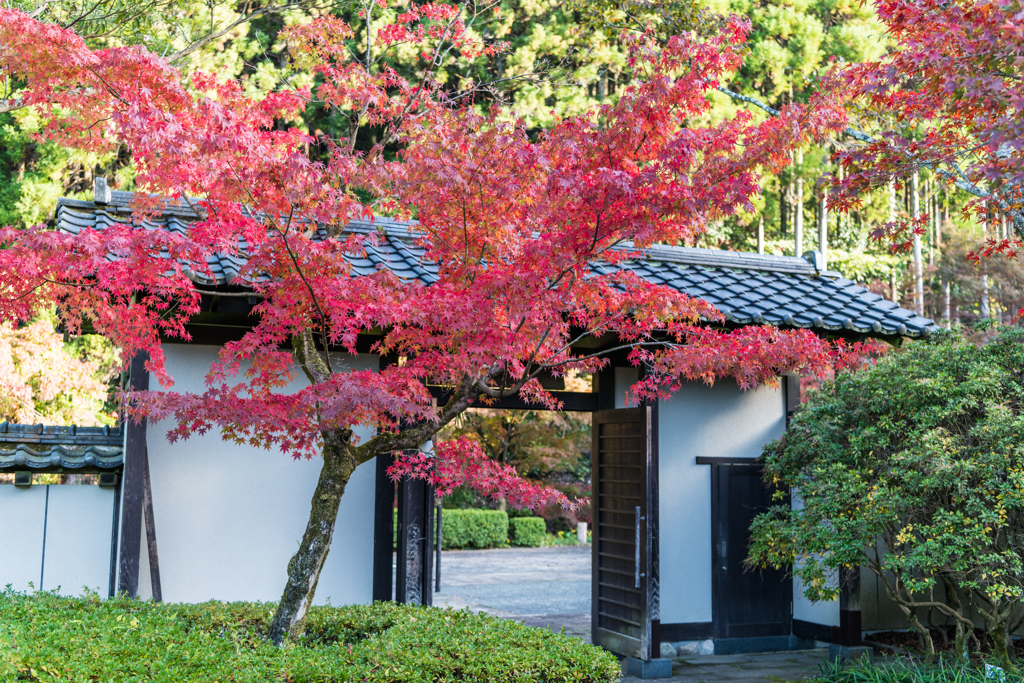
(44, 637)
(473, 529)
(527, 532)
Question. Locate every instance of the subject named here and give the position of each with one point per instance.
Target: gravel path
(538, 586)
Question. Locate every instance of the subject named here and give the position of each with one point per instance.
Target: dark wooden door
(746, 603)
(625, 583)
(413, 556)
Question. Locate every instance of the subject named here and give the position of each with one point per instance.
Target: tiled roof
(747, 288)
(41, 447)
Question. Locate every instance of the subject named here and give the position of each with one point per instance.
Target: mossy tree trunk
(305, 566)
(340, 459)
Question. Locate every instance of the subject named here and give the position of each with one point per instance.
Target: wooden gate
(745, 604)
(625, 567)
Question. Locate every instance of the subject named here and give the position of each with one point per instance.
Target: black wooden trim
(791, 395)
(211, 333)
(572, 401)
(696, 630)
(605, 388)
(112, 588)
(719, 528)
(154, 558)
(132, 487)
(848, 633)
(383, 529)
(427, 580)
(437, 548)
(727, 460)
(46, 521)
(811, 631)
(653, 530)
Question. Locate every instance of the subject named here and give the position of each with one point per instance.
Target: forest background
(563, 58)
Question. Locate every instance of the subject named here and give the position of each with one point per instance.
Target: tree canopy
(512, 222)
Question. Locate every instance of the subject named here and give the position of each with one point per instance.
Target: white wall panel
(624, 379)
(78, 536)
(229, 517)
(22, 510)
(822, 612)
(717, 421)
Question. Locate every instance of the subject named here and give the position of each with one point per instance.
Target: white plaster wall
(22, 510)
(717, 421)
(78, 537)
(76, 524)
(825, 613)
(228, 517)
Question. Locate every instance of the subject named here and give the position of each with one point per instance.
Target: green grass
(909, 671)
(44, 638)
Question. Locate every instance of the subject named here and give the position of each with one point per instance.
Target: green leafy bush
(473, 529)
(912, 469)
(44, 637)
(527, 532)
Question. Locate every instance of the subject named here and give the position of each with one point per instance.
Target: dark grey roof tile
(44, 447)
(750, 287)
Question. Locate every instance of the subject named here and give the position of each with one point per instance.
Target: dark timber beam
(572, 401)
(133, 487)
(383, 529)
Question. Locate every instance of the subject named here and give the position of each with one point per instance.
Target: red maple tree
(951, 98)
(510, 225)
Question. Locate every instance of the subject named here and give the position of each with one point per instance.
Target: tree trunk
(915, 211)
(929, 201)
(783, 210)
(945, 301)
(1000, 645)
(798, 208)
(305, 566)
(823, 228)
(892, 201)
(985, 309)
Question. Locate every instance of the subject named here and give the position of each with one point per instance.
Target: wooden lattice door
(625, 566)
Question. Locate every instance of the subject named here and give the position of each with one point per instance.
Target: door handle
(636, 548)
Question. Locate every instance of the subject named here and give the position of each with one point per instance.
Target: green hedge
(48, 638)
(473, 529)
(528, 532)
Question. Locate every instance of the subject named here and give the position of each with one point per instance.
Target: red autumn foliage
(515, 225)
(461, 462)
(951, 99)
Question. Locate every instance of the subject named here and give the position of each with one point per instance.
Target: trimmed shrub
(473, 529)
(527, 532)
(48, 638)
